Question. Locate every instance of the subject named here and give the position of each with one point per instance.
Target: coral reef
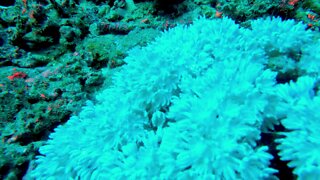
(56, 54)
(194, 104)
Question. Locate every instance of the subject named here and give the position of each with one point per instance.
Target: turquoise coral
(190, 104)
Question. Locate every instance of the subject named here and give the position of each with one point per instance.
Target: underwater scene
(160, 89)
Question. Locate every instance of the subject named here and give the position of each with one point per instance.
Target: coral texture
(192, 104)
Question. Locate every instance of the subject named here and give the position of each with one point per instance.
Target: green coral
(314, 5)
(246, 9)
